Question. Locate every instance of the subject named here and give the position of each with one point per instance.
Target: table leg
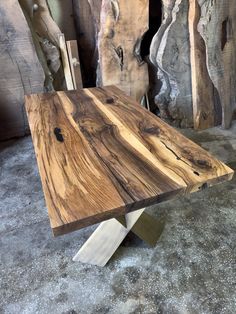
(106, 239)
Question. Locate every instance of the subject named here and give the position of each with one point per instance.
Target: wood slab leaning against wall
(21, 71)
(122, 26)
(213, 56)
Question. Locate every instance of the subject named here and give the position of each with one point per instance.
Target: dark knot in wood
(59, 136)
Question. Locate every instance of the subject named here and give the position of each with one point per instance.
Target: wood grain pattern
(63, 14)
(170, 55)
(204, 113)
(21, 71)
(122, 26)
(87, 17)
(214, 61)
(73, 55)
(66, 62)
(101, 155)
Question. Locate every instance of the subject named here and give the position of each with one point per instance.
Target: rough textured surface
(219, 17)
(170, 54)
(205, 112)
(213, 52)
(46, 35)
(191, 270)
(123, 25)
(87, 19)
(21, 72)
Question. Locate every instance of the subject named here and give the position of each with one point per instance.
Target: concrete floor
(191, 270)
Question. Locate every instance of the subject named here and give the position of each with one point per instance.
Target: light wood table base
(106, 239)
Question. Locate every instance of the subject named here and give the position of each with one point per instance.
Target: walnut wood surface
(101, 155)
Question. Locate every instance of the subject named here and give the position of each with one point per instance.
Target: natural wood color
(123, 24)
(217, 27)
(43, 23)
(202, 88)
(87, 17)
(45, 33)
(102, 155)
(66, 63)
(73, 55)
(21, 71)
(170, 55)
(63, 14)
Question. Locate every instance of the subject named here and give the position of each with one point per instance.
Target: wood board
(204, 113)
(87, 17)
(101, 155)
(73, 55)
(21, 71)
(221, 57)
(122, 26)
(170, 55)
(213, 56)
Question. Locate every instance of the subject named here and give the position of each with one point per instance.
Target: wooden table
(101, 156)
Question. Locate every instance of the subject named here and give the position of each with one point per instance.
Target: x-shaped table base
(106, 239)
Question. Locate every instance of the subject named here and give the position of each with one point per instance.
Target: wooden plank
(43, 23)
(21, 71)
(66, 63)
(170, 55)
(105, 240)
(87, 16)
(63, 14)
(123, 24)
(73, 55)
(216, 28)
(101, 155)
(204, 113)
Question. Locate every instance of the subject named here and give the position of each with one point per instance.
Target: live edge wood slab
(101, 155)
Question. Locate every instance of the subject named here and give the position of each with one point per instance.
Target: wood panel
(204, 113)
(221, 52)
(63, 14)
(123, 24)
(73, 55)
(66, 63)
(170, 55)
(46, 33)
(87, 16)
(212, 32)
(101, 155)
(21, 71)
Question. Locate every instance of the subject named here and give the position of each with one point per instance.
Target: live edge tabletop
(101, 155)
